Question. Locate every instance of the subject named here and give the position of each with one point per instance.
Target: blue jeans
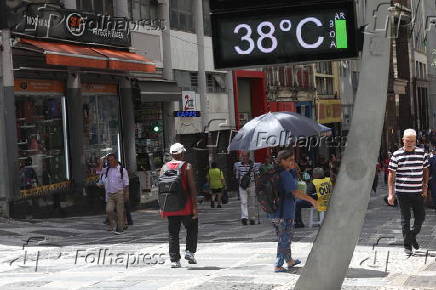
(298, 206)
(284, 230)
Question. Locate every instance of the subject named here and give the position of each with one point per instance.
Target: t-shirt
(409, 169)
(215, 176)
(288, 183)
(241, 169)
(323, 191)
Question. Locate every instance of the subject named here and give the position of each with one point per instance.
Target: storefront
(73, 105)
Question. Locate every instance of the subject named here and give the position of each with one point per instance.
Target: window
(41, 140)
(194, 80)
(324, 86)
(324, 67)
(182, 15)
(105, 7)
(101, 128)
(143, 9)
(216, 83)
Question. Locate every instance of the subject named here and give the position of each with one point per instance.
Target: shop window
(105, 7)
(41, 142)
(101, 128)
(182, 15)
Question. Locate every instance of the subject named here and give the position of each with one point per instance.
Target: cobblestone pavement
(77, 253)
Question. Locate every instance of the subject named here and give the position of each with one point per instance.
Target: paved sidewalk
(77, 253)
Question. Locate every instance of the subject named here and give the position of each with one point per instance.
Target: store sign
(49, 21)
(187, 114)
(38, 86)
(283, 34)
(189, 101)
(329, 111)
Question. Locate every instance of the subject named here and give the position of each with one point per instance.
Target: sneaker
(190, 257)
(408, 250)
(252, 222)
(219, 206)
(125, 227)
(118, 232)
(244, 221)
(176, 264)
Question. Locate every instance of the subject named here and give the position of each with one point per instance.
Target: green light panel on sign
(341, 34)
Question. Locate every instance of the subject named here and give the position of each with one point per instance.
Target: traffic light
(156, 127)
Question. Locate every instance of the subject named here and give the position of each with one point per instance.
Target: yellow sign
(45, 189)
(329, 111)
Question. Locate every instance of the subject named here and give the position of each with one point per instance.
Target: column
(128, 121)
(75, 130)
(168, 73)
(8, 146)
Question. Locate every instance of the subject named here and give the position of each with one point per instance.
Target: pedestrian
(217, 184)
(283, 219)
(188, 216)
(245, 171)
(433, 178)
(115, 179)
(408, 181)
(386, 166)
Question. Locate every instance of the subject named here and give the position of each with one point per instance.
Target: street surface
(76, 253)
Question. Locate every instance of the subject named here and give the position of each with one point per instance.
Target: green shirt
(215, 176)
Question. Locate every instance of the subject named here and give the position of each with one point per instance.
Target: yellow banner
(329, 111)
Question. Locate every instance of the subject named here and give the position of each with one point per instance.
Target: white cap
(177, 148)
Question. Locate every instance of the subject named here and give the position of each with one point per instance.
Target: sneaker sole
(190, 261)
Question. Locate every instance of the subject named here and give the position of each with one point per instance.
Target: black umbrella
(275, 129)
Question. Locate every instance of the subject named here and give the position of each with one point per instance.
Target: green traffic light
(156, 129)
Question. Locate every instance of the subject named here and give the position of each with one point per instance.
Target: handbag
(246, 179)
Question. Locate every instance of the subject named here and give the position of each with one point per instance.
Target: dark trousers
(411, 203)
(298, 206)
(127, 210)
(191, 226)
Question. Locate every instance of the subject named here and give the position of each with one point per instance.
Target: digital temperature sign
(254, 37)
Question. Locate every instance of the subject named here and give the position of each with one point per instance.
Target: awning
(101, 58)
(160, 91)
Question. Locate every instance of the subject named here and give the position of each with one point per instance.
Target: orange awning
(101, 58)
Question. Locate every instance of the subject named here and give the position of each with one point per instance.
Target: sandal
(296, 262)
(280, 270)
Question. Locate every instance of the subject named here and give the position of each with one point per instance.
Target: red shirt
(188, 206)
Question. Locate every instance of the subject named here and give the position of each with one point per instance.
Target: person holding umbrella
(283, 218)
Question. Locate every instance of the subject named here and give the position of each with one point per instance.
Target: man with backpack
(245, 172)
(115, 179)
(178, 202)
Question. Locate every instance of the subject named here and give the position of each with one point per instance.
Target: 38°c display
(284, 35)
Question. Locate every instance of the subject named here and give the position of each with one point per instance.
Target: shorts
(219, 190)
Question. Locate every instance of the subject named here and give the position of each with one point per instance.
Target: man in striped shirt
(247, 195)
(408, 171)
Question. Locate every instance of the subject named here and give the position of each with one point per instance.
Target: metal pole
(333, 249)
(7, 115)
